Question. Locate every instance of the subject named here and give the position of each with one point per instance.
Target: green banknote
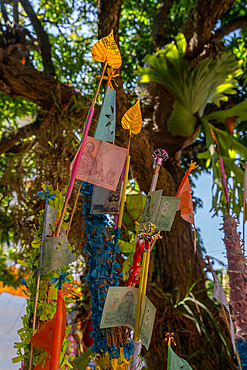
(160, 210)
(120, 310)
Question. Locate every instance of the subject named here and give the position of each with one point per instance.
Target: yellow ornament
(106, 50)
(132, 120)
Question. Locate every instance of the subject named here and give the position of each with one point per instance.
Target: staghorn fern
(192, 88)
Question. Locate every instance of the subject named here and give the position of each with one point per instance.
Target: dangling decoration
(185, 200)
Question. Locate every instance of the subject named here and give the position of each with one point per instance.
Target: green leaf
(82, 361)
(178, 127)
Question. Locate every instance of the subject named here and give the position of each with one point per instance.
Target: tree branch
(158, 31)
(202, 19)
(108, 15)
(240, 22)
(4, 13)
(44, 43)
(27, 82)
(9, 140)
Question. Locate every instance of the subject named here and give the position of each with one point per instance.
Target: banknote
(166, 213)
(151, 206)
(120, 310)
(160, 210)
(105, 200)
(147, 317)
(101, 163)
(120, 307)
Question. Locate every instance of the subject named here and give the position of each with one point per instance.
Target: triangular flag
(55, 251)
(59, 331)
(174, 362)
(185, 203)
(44, 338)
(105, 129)
(48, 334)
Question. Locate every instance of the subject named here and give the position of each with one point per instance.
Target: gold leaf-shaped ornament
(132, 120)
(107, 50)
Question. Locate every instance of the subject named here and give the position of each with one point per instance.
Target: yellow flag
(107, 50)
(132, 120)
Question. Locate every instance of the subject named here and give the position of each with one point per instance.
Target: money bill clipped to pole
(120, 310)
(105, 200)
(160, 210)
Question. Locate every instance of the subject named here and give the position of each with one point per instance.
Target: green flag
(174, 362)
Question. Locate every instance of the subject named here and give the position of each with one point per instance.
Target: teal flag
(105, 129)
(174, 362)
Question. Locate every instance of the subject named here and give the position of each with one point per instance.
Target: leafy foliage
(192, 88)
(46, 307)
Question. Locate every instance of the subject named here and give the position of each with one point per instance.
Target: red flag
(59, 331)
(50, 337)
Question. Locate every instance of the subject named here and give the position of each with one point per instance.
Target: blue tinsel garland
(102, 272)
(242, 351)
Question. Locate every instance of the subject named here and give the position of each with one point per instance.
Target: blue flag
(105, 129)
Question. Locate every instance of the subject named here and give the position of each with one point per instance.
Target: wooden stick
(37, 284)
(74, 207)
(126, 173)
(59, 227)
(154, 179)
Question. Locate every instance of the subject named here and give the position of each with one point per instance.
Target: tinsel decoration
(102, 274)
(237, 271)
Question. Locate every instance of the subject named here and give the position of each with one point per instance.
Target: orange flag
(59, 331)
(50, 337)
(185, 204)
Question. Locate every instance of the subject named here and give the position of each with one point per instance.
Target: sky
(210, 227)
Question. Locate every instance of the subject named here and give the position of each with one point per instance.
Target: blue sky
(210, 227)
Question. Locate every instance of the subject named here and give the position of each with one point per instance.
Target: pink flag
(101, 163)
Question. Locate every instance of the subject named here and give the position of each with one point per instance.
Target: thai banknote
(160, 210)
(120, 310)
(101, 163)
(151, 206)
(106, 201)
(147, 317)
